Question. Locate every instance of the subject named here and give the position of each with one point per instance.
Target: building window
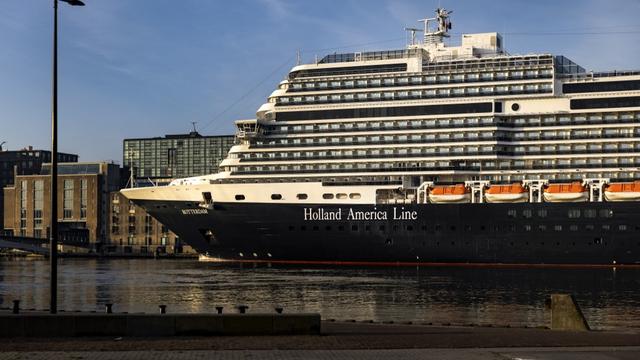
(23, 208)
(38, 206)
(67, 200)
(83, 199)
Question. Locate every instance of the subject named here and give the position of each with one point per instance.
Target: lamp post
(53, 236)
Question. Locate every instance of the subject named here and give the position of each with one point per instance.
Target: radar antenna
(193, 123)
(413, 34)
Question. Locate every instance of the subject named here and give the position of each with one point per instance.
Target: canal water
(610, 298)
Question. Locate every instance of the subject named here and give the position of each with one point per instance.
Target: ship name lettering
(366, 215)
(195, 211)
(403, 214)
(322, 214)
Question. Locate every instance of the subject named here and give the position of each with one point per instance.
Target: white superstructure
(367, 122)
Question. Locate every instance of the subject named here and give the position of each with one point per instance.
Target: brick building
(133, 231)
(83, 210)
(27, 161)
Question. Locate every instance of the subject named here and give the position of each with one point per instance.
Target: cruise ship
(430, 154)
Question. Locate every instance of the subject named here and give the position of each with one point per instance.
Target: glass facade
(176, 156)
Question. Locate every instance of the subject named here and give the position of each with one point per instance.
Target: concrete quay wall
(146, 325)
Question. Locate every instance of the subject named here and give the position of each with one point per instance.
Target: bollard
(163, 309)
(219, 309)
(16, 306)
(242, 308)
(279, 310)
(108, 308)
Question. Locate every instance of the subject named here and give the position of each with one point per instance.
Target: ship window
(355, 196)
(589, 227)
(511, 213)
(606, 227)
(573, 213)
(573, 227)
(302, 196)
(527, 228)
(606, 213)
(341, 196)
(589, 213)
(622, 227)
(381, 228)
(515, 107)
(526, 213)
(327, 196)
(341, 227)
(276, 197)
(542, 213)
(239, 197)
(354, 227)
(557, 228)
(438, 227)
(542, 227)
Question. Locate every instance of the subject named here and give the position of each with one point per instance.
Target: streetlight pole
(53, 235)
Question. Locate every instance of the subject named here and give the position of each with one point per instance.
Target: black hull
(543, 233)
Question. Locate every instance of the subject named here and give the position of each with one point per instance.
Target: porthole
(327, 196)
(355, 196)
(239, 197)
(302, 196)
(515, 106)
(276, 197)
(341, 196)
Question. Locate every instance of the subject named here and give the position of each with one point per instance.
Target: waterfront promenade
(344, 340)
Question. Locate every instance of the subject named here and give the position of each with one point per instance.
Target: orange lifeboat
(449, 194)
(628, 191)
(572, 192)
(511, 193)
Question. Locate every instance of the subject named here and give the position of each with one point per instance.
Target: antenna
(193, 123)
(413, 34)
(298, 57)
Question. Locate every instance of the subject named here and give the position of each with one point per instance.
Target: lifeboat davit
(573, 192)
(449, 194)
(511, 193)
(628, 191)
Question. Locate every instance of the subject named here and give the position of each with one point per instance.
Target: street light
(53, 240)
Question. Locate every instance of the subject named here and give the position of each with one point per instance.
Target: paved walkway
(602, 353)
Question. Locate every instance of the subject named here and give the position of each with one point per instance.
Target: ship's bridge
(248, 129)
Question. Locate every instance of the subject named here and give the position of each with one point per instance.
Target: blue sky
(142, 68)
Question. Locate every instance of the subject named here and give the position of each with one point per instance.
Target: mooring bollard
(219, 309)
(242, 308)
(108, 308)
(163, 309)
(279, 310)
(16, 306)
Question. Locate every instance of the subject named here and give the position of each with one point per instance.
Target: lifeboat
(449, 194)
(511, 193)
(572, 192)
(628, 191)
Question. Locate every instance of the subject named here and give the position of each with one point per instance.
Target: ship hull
(522, 233)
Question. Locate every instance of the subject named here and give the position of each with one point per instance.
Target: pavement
(606, 353)
(347, 340)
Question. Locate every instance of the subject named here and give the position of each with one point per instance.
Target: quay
(343, 340)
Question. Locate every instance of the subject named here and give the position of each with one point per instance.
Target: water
(610, 298)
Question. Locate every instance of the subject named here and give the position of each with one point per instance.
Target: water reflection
(610, 298)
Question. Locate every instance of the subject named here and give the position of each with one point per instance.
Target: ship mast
(433, 35)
